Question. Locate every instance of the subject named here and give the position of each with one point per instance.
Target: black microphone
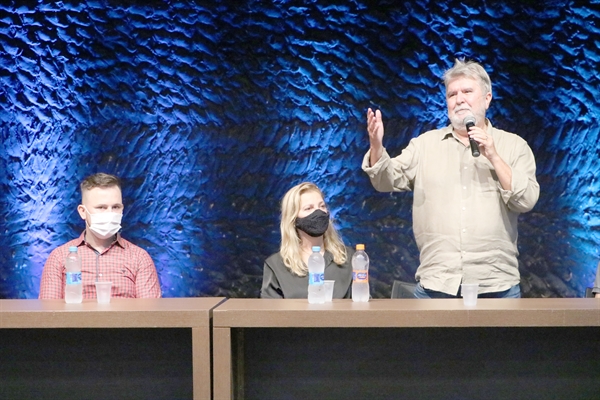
(469, 123)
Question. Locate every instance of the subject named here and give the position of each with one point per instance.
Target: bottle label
(73, 278)
(316, 279)
(360, 276)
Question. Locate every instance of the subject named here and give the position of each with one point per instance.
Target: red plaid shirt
(127, 266)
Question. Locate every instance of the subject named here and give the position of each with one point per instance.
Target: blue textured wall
(211, 110)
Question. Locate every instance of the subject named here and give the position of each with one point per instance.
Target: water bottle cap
(73, 249)
(316, 249)
(360, 247)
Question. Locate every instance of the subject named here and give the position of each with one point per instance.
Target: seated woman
(305, 222)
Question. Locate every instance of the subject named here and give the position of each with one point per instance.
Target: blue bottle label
(73, 278)
(316, 279)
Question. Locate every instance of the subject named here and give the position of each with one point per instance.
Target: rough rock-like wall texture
(211, 110)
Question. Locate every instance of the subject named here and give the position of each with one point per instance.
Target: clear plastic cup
(469, 293)
(329, 290)
(103, 292)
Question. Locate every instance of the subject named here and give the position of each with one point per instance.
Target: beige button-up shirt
(464, 223)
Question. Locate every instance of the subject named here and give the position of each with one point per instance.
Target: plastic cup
(469, 293)
(328, 290)
(103, 292)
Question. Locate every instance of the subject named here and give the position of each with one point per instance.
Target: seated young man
(104, 254)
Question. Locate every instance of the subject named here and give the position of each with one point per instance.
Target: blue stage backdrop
(211, 110)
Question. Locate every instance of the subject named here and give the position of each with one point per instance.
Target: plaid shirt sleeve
(146, 281)
(52, 285)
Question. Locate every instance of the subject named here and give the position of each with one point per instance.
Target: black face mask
(315, 224)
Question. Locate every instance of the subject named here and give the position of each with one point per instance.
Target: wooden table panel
(95, 321)
(261, 347)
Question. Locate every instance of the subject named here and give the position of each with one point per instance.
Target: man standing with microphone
(465, 206)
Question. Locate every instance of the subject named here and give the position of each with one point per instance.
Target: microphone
(469, 123)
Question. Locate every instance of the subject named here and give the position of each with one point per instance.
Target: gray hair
(469, 69)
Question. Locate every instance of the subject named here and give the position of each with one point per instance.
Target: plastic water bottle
(360, 274)
(316, 277)
(73, 285)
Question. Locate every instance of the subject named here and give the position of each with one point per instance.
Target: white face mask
(104, 225)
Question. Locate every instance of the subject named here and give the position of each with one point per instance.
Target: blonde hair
(100, 180)
(290, 240)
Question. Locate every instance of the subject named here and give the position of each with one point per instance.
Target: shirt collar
(81, 239)
(120, 241)
(448, 131)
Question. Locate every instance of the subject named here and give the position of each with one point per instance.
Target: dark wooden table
(407, 348)
(130, 348)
